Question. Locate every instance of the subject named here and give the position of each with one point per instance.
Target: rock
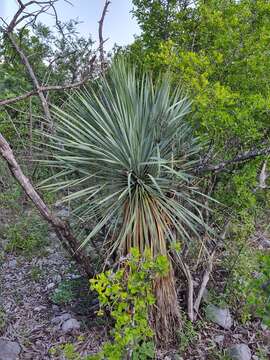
(63, 213)
(12, 264)
(70, 325)
(239, 352)
(55, 308)
(219, 316)
(219, 339)
(60, 319)
(40, 308)
(176, 357)
(57, 278)
(9, 350)
(50, 286)
(265, 243)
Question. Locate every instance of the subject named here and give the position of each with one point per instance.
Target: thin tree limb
(245, 156)
(43, 89)
(61, 228)
(33, 77)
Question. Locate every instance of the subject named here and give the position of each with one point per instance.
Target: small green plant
(127, 294)
(258, 299)
(187, 336)
(36, 273)
(27, 237)
(10, 198)
(3, 319)
(64, 294)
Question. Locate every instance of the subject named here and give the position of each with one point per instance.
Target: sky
(119, 26)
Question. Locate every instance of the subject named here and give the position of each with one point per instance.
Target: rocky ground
(36, 318)
(31, 323)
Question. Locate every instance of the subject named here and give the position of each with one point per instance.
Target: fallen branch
(204, 283)
(62, 229)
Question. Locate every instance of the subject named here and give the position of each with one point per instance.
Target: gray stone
(177, 357)
(63, 213)
(265, 243)
(12, 264)
(61, 318)
(219, 339)
(57, 278)
(219, 316)
(239, 352)
(9, 350)
(55, 308)
(40, 308)
(50, 286)
(70, 325)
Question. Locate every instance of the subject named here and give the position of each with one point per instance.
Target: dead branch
(44, 89)
(190, 293)
(61, 228)
(204, 283)
(100, 34)
(245, 156)
(263, 176)
(33, 77)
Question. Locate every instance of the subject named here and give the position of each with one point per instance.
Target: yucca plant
(125, 152)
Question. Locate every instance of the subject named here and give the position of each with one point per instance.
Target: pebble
(219, 316)
(239, 352)
(12, 264)
(9, 350)
(60, 319)
(50, 286)
(40, 308)
(70, 325)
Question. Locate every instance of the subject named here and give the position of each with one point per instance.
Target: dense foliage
(219, 51)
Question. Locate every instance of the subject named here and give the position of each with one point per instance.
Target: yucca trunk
(165, 314)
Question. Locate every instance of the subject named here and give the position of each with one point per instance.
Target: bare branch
(245, 156)
(61, 228)
(100, 34)
(33, 77)
(45, 89)
(204, 283)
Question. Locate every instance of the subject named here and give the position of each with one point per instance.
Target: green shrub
(126, 294)
(258, 294)
(28, 236)
(248, 283)
(187, 336)
(64, 294)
